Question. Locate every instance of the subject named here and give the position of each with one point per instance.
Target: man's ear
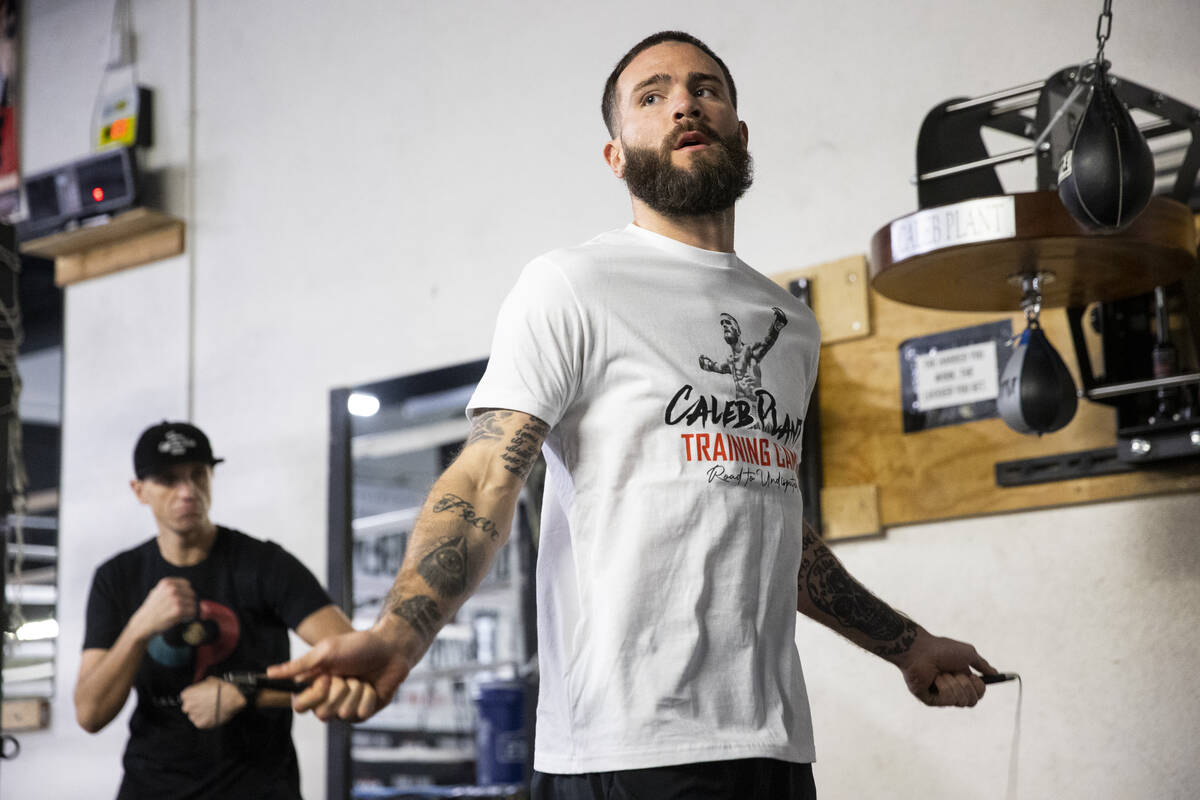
(614, 156)
(136, 486)
(744, 132)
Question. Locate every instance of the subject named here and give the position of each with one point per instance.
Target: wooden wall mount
(840, 297)
(136, 237)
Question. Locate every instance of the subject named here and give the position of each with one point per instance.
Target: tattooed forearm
(462, 508)
(486, 426)
(421, 612)
(522, 451)
(444, 568)
(834, 592)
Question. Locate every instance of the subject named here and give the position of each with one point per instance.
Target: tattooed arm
(937, 670)
(465, 520)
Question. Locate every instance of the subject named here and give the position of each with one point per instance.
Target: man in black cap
(175, 614)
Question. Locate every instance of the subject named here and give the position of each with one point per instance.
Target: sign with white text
(953, 377)
(956, 376)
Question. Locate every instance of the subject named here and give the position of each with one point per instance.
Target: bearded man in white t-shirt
(673, 557)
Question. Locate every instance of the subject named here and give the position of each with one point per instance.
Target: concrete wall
(368, 177)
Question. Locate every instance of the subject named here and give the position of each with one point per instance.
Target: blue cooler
(500, 738)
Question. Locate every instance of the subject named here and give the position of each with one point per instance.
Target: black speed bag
(1106, 177)
(1037, 393)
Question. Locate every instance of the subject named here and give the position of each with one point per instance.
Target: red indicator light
(98, 194)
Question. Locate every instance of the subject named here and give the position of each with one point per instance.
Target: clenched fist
(211, 702)
(171, 600)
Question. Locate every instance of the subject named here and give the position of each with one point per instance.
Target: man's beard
(719, 175)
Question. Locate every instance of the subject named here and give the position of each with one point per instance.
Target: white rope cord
(1011, 794)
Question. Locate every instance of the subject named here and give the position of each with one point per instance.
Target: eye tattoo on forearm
(421, 612)
(522, 451)
(833, 591)
(445, 567)
(486, 426)
(464, 509)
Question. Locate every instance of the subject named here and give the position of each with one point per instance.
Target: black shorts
(745, 779)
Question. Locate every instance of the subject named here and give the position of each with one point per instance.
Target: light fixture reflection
(39, 629)
(361, 404)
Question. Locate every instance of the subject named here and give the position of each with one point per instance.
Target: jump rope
(1001, 677)
(260, 681)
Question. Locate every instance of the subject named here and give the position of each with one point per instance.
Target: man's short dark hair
(608, 106)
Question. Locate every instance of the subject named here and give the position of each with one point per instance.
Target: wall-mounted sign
(982, 220)
(953, 377)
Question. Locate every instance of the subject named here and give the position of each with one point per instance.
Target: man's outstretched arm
(465, 520)
(937, 670)
(708, 365)
(761, 349)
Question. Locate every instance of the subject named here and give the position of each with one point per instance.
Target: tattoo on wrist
(444, 568)
(486, 426)
(522, 450)
(834, 592)
(902, 643)
(464, 509)
(421, 612)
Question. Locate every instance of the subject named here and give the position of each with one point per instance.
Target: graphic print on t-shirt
(204, 641)
(743, 361)
(740, 458)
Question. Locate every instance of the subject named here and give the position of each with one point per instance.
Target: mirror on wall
(463, 717)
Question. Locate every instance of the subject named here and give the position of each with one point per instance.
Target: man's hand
(938, 671)
(371, 656)
(349, 699)
(211, 702)
(172, 600)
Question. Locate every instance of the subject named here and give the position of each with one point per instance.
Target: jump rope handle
(260, 682)
(999, 677)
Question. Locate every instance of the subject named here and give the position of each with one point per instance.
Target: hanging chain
(1103, 31)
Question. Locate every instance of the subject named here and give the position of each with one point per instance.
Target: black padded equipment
(1106, 177)
(1037, 393)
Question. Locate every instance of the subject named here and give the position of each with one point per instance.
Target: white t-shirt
(671, 527)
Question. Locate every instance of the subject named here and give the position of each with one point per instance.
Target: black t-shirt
(250, 593)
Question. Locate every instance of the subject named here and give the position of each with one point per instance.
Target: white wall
(369, 178)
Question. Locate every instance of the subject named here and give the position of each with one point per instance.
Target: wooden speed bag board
(970, 256)
(952, 268)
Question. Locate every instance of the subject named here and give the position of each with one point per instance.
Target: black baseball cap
(166, 444)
